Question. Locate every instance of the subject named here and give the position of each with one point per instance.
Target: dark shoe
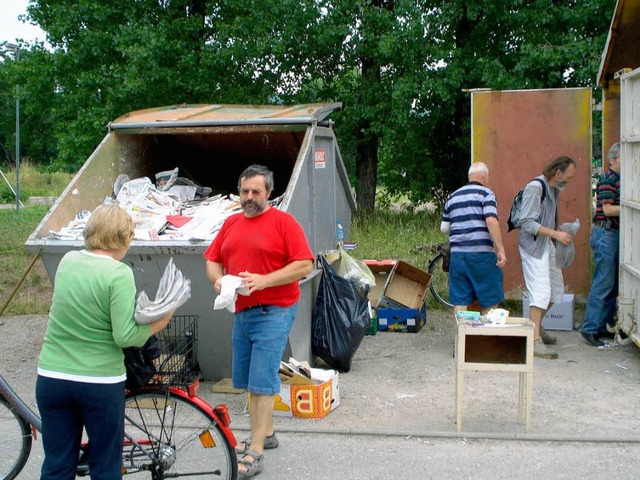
(547, 338)
(607, 334)
(592, 339)
(540, 350)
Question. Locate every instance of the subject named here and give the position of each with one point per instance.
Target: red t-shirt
(261, 244)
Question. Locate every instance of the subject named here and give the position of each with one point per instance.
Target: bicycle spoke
(439, 281)
(169, 428)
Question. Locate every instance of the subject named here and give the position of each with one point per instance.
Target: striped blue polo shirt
(467, 210)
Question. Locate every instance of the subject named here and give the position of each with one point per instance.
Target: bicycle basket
(177, 361)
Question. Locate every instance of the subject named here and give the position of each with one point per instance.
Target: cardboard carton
(407, 286)
(306, 392)
(558, 317)
(381, 269)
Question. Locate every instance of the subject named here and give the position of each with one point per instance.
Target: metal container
(212, 145)
(629, 287)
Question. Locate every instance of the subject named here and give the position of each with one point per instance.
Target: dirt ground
(404, 382)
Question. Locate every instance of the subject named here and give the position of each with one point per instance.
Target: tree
(383, 58)
(398, 66)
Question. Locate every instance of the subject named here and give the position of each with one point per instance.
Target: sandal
(253, 467)
(270, 442)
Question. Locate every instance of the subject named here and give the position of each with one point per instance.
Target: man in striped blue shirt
(470, 217)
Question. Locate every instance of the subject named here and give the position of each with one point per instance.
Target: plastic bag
(566, 253)
(139, 365)
(340, 319)
(356, 270)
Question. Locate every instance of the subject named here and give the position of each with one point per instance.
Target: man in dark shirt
(605, 237)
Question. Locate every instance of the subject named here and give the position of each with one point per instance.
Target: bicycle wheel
(15, 441)
(171, 437)
(439, 281)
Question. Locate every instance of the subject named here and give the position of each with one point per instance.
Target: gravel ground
(404, 383)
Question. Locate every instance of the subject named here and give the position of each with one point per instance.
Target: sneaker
(547, 338)
(540, 350)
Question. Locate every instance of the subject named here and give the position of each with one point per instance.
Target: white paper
(230, 286)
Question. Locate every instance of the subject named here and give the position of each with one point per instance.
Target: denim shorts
(475, 276)
(259, 338)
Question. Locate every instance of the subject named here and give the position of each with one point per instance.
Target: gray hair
(614, 152)
(255, 170)
(478, 168)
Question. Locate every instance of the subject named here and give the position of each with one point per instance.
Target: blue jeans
(259, 336)
(66, 407)
(601, 304)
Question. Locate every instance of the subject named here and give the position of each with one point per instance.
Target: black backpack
(515, 213)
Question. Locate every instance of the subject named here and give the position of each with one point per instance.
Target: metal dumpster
(211, 145)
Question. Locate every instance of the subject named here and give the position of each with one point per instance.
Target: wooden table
(505, 348)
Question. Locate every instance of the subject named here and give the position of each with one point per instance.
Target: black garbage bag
(139, 363)
(340, 319)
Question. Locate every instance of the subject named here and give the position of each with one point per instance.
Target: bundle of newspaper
(173, 292)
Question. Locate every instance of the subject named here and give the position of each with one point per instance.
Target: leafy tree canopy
(400, 68)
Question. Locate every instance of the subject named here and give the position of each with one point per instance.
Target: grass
(34, 182)
(399, 235)
(34, 294)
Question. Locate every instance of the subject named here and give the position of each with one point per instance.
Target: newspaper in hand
(173, 292)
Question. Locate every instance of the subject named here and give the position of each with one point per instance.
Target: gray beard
(251, 209)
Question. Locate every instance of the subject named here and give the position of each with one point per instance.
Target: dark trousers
(66, 407)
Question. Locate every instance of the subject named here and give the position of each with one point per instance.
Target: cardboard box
(407, 286)
(559, 316)
(401, 319)
(308, 401)
(381, 269)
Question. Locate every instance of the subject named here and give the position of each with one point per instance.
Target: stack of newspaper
(174, 290)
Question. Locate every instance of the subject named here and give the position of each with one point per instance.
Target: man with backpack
(537, 244)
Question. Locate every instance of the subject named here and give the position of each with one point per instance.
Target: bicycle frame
(219, 414)
(21, 407)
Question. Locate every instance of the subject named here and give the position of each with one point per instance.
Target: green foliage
(399, 68)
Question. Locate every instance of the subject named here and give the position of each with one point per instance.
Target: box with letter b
(306, 392)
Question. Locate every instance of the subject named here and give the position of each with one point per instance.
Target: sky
(11, 28)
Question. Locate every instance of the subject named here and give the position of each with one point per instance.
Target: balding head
(479, 172)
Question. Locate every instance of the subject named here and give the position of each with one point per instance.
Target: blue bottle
(339, 233)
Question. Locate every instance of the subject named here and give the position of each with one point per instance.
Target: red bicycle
(170, 432)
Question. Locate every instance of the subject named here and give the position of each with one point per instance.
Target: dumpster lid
(223, 115)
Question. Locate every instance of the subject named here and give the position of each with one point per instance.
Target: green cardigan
(91, 318)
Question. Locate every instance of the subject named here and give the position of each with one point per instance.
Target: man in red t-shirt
(267, 248)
